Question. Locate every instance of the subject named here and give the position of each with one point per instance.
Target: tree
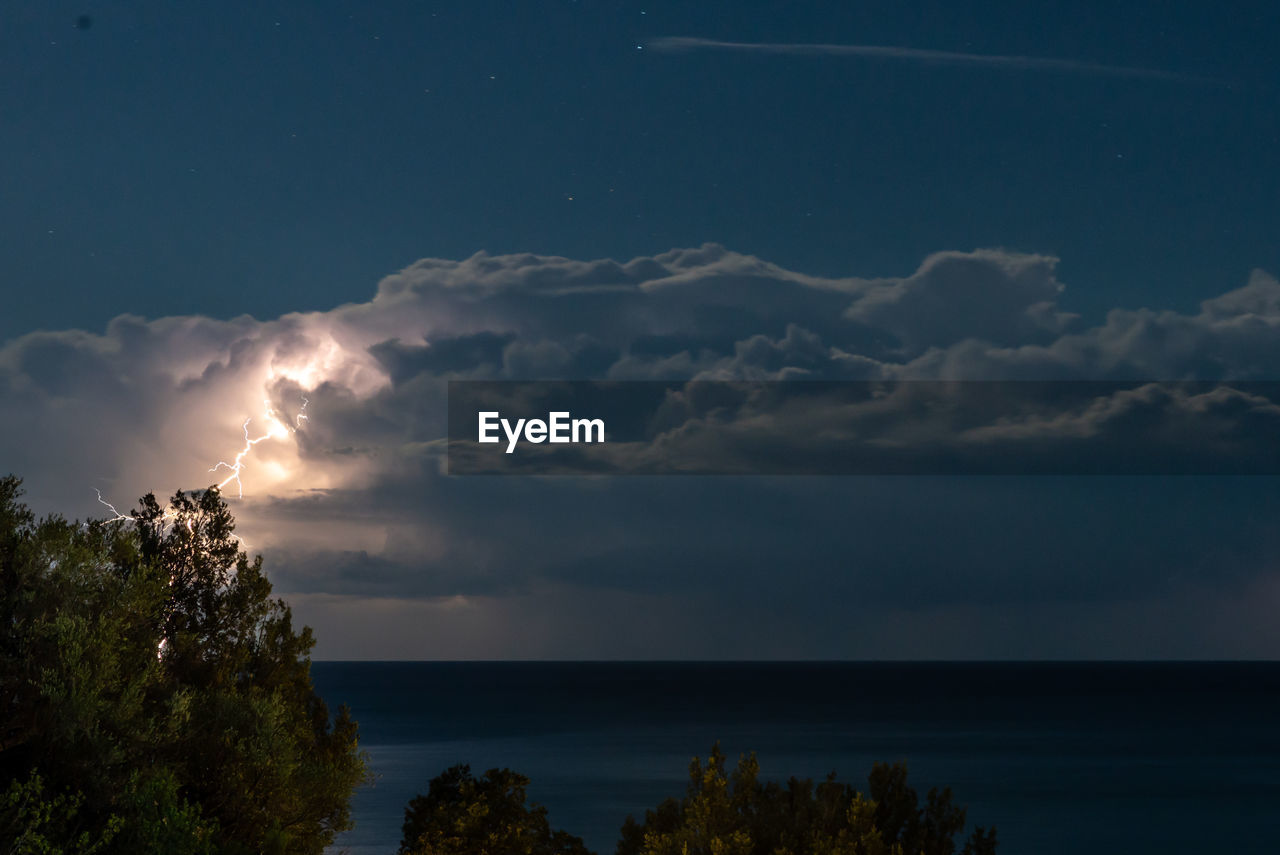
(464, 815)
(154, 696)
(735, 814)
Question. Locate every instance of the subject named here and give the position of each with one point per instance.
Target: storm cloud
(389, 556)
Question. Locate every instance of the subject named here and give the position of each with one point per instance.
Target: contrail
(673, 44)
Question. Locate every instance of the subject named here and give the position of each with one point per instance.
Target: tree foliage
(464, 815)
(736, 814)
(721, 813)
(154, 697)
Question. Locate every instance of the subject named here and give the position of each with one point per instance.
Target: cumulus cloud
(998, 297)
(352, 503)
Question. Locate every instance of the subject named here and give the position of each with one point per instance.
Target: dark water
(1062, 757)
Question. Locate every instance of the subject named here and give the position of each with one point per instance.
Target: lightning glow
(293, 367)
(277, 427)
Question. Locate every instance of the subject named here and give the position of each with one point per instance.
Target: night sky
(206, 205)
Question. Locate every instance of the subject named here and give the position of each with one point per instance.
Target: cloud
(675, 44)
(354, 507)
(989, 295)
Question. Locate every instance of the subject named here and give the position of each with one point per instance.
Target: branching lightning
(116, 516)
(166, 517)
(274, 425)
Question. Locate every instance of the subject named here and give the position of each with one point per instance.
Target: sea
(1061, 757)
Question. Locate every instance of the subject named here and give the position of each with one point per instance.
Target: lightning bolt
(116, 516)
(167, 516)
(236, 466)
(276, 424)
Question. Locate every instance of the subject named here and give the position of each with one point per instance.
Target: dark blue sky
(268, 157)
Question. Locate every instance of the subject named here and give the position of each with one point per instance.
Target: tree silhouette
(735, 814)
(721, 813)
(464, 815)
(156, 697)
